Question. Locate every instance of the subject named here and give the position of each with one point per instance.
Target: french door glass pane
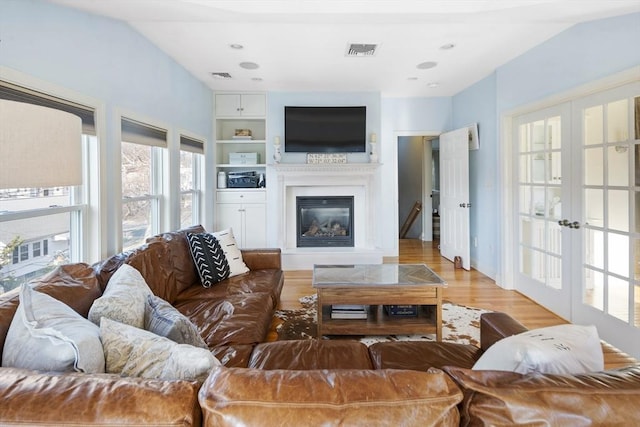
(136, 223)
(618, 254)
(554, 238)
(593, 125)
(593, 166)
(594, 207)
(525, 167)
(525, 200)
(554, 272)
(532, 264)
(594, 289)
(618, 121)
(618, 165)
(594, 248)
(618, 210)
(555, 132)
(618, 298)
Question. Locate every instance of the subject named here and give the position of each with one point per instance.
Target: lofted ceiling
(302, 45)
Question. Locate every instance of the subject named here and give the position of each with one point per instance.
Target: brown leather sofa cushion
(65, 399)
(311, 354)
(234, 319)
(257, 397)
(422, 355)
(500, 398)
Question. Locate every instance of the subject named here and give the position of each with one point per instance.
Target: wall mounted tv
(325, 129)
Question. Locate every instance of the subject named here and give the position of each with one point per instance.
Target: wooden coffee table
(376, 286)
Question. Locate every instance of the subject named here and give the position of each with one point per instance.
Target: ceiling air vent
(223, 76)
(361, 49)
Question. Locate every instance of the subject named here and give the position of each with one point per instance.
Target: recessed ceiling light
(256, 79)
(412, 78)
(426, 65)
(447, 46)
(236, 46)
(433, 84)
(249, 65)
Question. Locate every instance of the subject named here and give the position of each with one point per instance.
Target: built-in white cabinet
(240, 105)
(240, 128)
(245, 212)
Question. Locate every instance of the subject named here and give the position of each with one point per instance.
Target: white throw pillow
(135, 352)
(163, 319)
(216, 256)
(561, 349)
(48, 335)
(124, 299)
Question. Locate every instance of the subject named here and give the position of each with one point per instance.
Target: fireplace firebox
(324, 221)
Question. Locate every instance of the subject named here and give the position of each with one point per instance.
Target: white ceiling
(300, 45)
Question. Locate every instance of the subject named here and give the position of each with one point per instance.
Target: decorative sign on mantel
(326, 158)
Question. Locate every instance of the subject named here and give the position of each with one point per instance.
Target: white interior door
(607, 294)
(543, 206)
(454, 196)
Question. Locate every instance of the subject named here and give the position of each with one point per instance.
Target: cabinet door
(228, 105)
(230, 215)
(240, 105)
(255, 233)
(253, 105)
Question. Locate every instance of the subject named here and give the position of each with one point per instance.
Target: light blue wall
(477, 104)
(106, 60)
(579, 55)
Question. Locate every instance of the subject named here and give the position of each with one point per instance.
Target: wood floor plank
(470, 288)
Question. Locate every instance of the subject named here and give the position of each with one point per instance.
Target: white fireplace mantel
(337, 179)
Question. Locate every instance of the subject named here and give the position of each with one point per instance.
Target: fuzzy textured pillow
(216, 256)
(48, 335)
(561, 349)
(163, 319)
(124, 299)
(135, 352)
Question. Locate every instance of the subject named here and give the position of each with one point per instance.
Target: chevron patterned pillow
(216, 256)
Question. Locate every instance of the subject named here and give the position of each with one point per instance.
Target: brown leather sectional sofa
(298, 383)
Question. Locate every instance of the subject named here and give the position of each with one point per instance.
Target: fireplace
(324, 221)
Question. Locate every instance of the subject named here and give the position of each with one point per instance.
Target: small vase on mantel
(373, 153)
(277, 156)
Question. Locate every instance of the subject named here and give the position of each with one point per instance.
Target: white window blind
(192, 145)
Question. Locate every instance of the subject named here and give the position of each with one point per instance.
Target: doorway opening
(418, 184)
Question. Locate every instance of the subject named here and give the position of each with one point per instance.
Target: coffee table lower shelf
(378, 322)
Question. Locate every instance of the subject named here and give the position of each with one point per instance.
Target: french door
(542, 205)
(578, 211)
(607, 128)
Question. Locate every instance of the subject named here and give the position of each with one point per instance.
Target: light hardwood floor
(470, 288)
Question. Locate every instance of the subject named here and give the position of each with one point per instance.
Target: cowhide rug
(460, 324)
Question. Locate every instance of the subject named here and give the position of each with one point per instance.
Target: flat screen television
(325, 129)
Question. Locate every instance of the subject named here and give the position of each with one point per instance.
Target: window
(143, 149)
(190, 180)
(39, 214)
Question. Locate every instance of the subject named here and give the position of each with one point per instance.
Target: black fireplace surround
(324, 221)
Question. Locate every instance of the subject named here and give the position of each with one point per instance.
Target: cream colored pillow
(124, 299)
(48, 335)
(135, 352)
(561, 349)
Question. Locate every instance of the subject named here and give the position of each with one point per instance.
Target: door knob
(564, 223)
(574, 224)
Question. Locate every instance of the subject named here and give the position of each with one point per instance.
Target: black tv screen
(325, 129)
